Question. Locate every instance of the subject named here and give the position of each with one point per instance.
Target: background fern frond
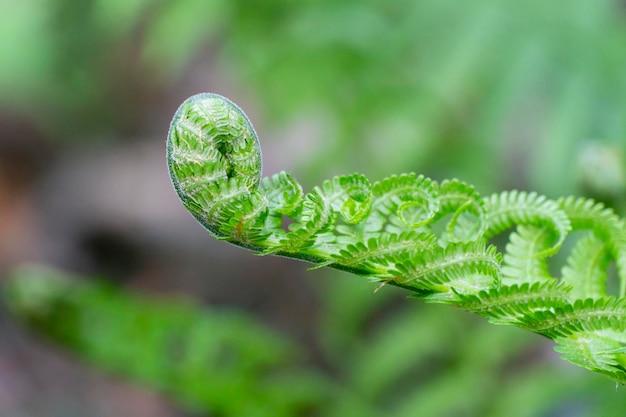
(195, 356)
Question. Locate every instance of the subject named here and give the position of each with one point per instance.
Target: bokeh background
(501, 94)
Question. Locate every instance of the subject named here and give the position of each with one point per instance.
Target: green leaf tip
(412, 232)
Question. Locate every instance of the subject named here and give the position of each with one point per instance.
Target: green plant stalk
(386, 231)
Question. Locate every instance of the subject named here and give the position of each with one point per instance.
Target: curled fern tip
(409, 231)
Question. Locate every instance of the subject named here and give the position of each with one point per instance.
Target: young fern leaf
(586, 214)
(349, 195)
(387, 232)
(509, 304)
(591, 333)
(586, 269)
(441, 273)
(403, 203)
(284, 198)
(214, 159)
(596, 352)
(521, 263)
(468, 219)
(519, 207)
(379, 255)
(283, 193)
(310, 227)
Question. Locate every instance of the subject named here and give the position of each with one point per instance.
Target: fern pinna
(412, 232)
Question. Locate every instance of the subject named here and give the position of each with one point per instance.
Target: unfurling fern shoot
(386, 231)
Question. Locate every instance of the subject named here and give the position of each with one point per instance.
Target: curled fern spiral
(410, 231)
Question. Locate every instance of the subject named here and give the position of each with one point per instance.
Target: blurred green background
(501, 94)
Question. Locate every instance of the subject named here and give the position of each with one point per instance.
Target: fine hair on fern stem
(410, 231)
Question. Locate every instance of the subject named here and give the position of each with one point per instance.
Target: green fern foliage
(521, 263)
(409, 231)
(196, 356)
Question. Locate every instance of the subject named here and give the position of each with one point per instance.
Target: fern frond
(586, 214)
(519, 207)
(199, 169)
(596, 352)
(591, 334)
(521, 263)
(462, 268)
(316, 218)
(378, 255)
(224, 126)
(349, 195)
(236, 215)
(403, 203)
(587, 315)
(283, 193)
(213, 157)
(509, 304)
(586, 268)
(386, 232)
(242, 220)
(468, 220)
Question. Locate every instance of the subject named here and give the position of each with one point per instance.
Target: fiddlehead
(214, 160)
(388, 231)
